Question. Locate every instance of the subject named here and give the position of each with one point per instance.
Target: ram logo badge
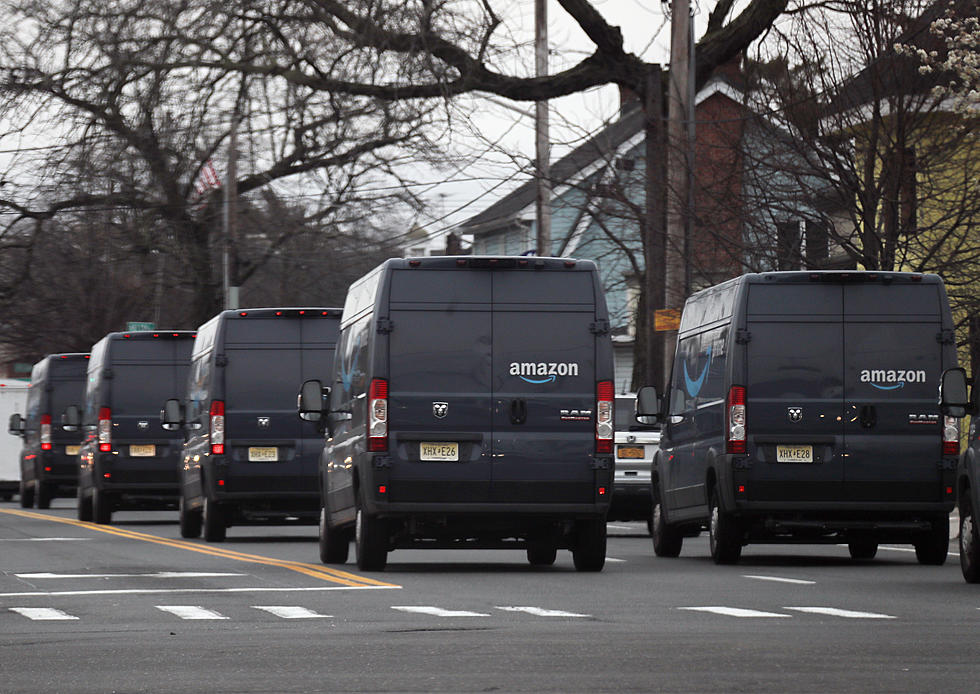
(440, 409)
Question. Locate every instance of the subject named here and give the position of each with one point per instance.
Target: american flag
(207, 179)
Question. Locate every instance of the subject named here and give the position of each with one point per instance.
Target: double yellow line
(324, 573)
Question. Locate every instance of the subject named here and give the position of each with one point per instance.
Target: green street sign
(136, 325)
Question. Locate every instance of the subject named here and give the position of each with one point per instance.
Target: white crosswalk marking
(290, 612)
(734, 611)
(541, 612)
(437, 611)
(42, 613)
(836, 612)
(190, 612)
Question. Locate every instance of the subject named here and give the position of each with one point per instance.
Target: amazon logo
(694, 385)
(892, 379)
(541, 371)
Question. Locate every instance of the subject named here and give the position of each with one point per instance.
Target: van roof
(282, 312)
(151, 334)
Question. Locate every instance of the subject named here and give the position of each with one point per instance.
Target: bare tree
(117, 124)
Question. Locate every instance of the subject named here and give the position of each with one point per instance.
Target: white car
(635, 445)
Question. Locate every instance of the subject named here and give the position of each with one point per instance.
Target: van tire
(932, 546)
(862, 549)
(541, 553)
(969, 542)
(724, 537)
(370, 540)
(101, 507)
(43, 495)
(26, 495)
(213, 521)
(589, 552)
(334, 542)
(84, 505)
(667, 540)
(190, 519)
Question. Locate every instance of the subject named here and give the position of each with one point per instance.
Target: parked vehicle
(127, 460)
(802, 408)
(13, 401)
(957, 401)
(471, 406)
(635, 445)
(248, 459)
(48, 459)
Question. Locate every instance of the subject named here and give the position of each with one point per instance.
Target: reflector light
(221, 483)
(604, 426)
(217, 432)
(382, 489)
(378, 415)
(602, 491)
(105, 429)
(47, 469)
(243, 314)
(107, 475)
(736, 420)
(569, 263)
(949, 490)
(741, 489)
(414, 263)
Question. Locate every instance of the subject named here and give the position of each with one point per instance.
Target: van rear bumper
(404, 509)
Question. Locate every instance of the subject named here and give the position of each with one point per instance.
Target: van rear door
(544, 386)
(893, 359)
(439, 399)
(794, 391)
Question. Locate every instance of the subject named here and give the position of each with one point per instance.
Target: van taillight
(604, 417)
(951, 436)
(45, 432)
(736, 420)
(217, 427)
(105, 429)
(378, 415)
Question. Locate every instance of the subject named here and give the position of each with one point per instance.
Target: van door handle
(868, 417)
(518, 411)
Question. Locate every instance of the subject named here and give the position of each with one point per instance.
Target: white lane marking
(836, 612)
(169, 591)
(734, 611)
(190, 612)
(541, 612)
(437, 611)
(781, 579)
(159, 574)
(291, 612)
(615, 561)
(907, 549)
(45, 539)
(42, 613)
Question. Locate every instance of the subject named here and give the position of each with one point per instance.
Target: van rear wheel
(667, 540)
(334, 542)
(370, 541)
(101, 507)
(213, 521)
(932, 546)
(84, 505)
(862, 548)
(589, 552)
(43, 495)
(724, 537)
(969, 542)
(190, 519)
(26, 495)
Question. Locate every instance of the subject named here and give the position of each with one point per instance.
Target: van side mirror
(15, 425)
(648, 404)
(311, 402)
(954, 398)
(71, 418)
(172, 415)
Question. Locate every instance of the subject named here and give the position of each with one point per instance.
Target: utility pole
(231, 215)
(652, 291)
(678, 97)
(542, 144)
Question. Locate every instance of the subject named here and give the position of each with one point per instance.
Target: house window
(817, 244)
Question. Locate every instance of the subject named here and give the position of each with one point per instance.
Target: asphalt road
(133, 608)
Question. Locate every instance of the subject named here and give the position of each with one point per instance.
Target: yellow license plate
(794, 454)
(629, 451)
(72, 450)
(438, 450)
(263, 454)
(148, 450)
